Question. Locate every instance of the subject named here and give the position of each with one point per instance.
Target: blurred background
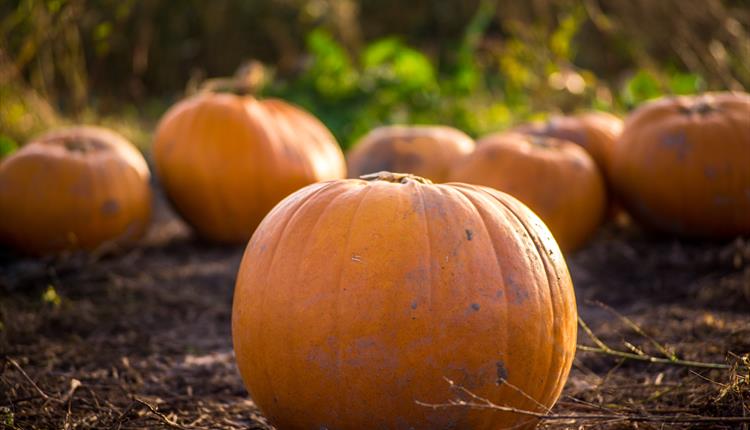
(474, 64)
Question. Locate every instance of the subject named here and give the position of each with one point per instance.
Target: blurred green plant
(645, 85)
(391, 82)
(388, 82)
(7, 146)
(23, 114)
(7, 418)
(120, 63)
(51, 297)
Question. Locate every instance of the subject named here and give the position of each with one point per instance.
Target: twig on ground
(121, 418)
(636, 328)
(68, 397)
(161, 416)
(484, 403)
(518, 390)
(18, 367)
(74, 385)
(603, 348)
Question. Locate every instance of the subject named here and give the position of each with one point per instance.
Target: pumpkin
(597, 132)
(426, 151)
(557, 179)
(356, 299)
(73, 188)
(225, 160)
(682, 165)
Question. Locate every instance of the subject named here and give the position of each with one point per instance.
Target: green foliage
(7, 146)
(389, 82)
(23, 114)
(51, 297)
(686, 83)
(641, 87)
(7, 418)
(645, 85)
(119, 63)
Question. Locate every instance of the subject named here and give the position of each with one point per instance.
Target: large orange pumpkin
(597, 132)
(426, 151)
(355, 299)
(74, 188)
(557, 179)
(682, 165)
(225, 160)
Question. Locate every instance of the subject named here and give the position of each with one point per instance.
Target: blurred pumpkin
(557, 179)
(597, 132)
(225, 160)
(682, 165)
(73, 188)
(356, 299)
(426, 151)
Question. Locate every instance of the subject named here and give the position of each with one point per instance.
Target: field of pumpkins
(574, 268)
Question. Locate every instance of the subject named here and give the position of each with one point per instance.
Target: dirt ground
(140, 338)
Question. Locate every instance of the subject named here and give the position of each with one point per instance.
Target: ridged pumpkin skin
(557, 179)
(356, 299)
(682, 165)
(225, 160)
(426, 151)
(73, 188)
(596, 132)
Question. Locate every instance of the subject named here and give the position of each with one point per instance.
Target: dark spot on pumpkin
(521, 295)
(475, 306)
(110, 207)
(469, 234)
(502, 373)
(722, 200)
(678, 143)
(710, 172)
(414, 304)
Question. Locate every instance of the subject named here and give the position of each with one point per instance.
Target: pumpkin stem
(396, 178)
(248, 80)
(76, 144)
(704, 108)
(701, 108)
(540, 141)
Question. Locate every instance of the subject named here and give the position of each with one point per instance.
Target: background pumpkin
(225, 160)
(682, 165)
(355, 299)
(73, 188)
(597, 132)
(557, 179)
(426, 151)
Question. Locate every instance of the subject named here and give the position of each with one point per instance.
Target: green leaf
(7, 146)
(641, 87)
(685, 83)
(51, 297)
(380, 52)
(406, 68)
(331, 71)
(561, 41)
